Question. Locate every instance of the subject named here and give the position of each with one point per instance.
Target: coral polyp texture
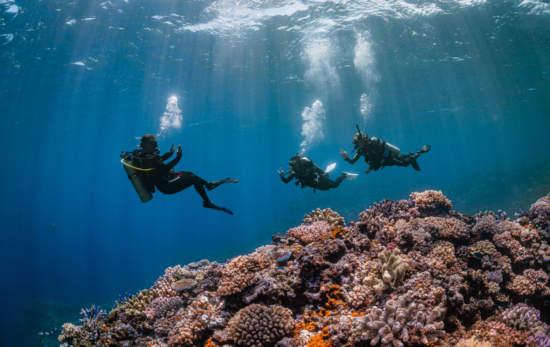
(406, 273)
(327, 215)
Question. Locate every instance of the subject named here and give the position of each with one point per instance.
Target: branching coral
(327, 215)
(160, 306)
(91, 323)
(69, 332)
(357, 297)
(473, 342)
(259, 325)
(194, 321)
(484, 248)
(521, 318)
(309, 233)
(531, 282)
(134, 306)
(401, 321)
(393, 271)
(431, 203)
(446, 228)
(240, 272)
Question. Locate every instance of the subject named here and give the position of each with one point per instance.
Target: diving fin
(414, 164)
(425, 149)
(350, 176)
(330, 168)
(209, 204)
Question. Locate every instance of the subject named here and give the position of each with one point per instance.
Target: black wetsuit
(378, 157)
(168, 181)
(310, 175)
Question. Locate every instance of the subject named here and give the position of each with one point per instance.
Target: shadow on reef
(406, 273)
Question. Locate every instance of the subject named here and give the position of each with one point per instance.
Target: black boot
(213, 185)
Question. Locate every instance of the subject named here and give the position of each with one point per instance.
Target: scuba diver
(164, 178)
(379, 154)
(310, 175)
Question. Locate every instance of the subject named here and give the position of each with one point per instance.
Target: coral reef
(406, 273)
(327, 215)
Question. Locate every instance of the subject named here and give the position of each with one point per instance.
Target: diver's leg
(336, 182)
(215, 184)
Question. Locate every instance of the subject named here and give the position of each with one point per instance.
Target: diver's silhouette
(379, 154)
(310, 175)
(162, 176)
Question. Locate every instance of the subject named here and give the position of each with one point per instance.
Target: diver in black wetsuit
(168, 181)
(310, 175)
(379, 154)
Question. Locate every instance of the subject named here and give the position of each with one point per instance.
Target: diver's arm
(354, 159)
(287, 179)
(176, 160)
(167, 155)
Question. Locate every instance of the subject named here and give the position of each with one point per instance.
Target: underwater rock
(407, 273)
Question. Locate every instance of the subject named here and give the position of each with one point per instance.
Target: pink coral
(240, 272)
(431, 203)
(309, 233)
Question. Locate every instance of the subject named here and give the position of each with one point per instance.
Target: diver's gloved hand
(344, 154)
(281, 172)
(179, 152)
(172, 149)
(136, 153)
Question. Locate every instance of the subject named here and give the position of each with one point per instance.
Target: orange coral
(335, 296)
(209, 343)
(319, 340)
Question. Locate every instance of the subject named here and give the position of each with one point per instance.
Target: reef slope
(406, 273)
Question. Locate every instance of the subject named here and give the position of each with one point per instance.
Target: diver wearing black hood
(168, 181)
(379, 154)
(308, 174)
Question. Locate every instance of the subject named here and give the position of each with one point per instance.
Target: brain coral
(309, 233)
(240, 272)
(259, 325)
(431, 203)
(327, 215)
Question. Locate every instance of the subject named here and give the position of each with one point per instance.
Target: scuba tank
(138, 177)
(388, 146)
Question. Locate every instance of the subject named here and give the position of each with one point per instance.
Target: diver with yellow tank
(147, 170)
(379, 154)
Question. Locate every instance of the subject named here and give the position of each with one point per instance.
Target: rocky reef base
(407, 273)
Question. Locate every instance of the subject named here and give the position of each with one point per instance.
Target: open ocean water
(247, 84)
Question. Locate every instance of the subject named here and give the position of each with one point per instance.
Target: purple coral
(160, 306)
(494, 276)
(539, 340)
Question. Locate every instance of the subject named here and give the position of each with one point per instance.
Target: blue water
(79, 81)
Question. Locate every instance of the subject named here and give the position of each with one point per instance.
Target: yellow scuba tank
(139, 180)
